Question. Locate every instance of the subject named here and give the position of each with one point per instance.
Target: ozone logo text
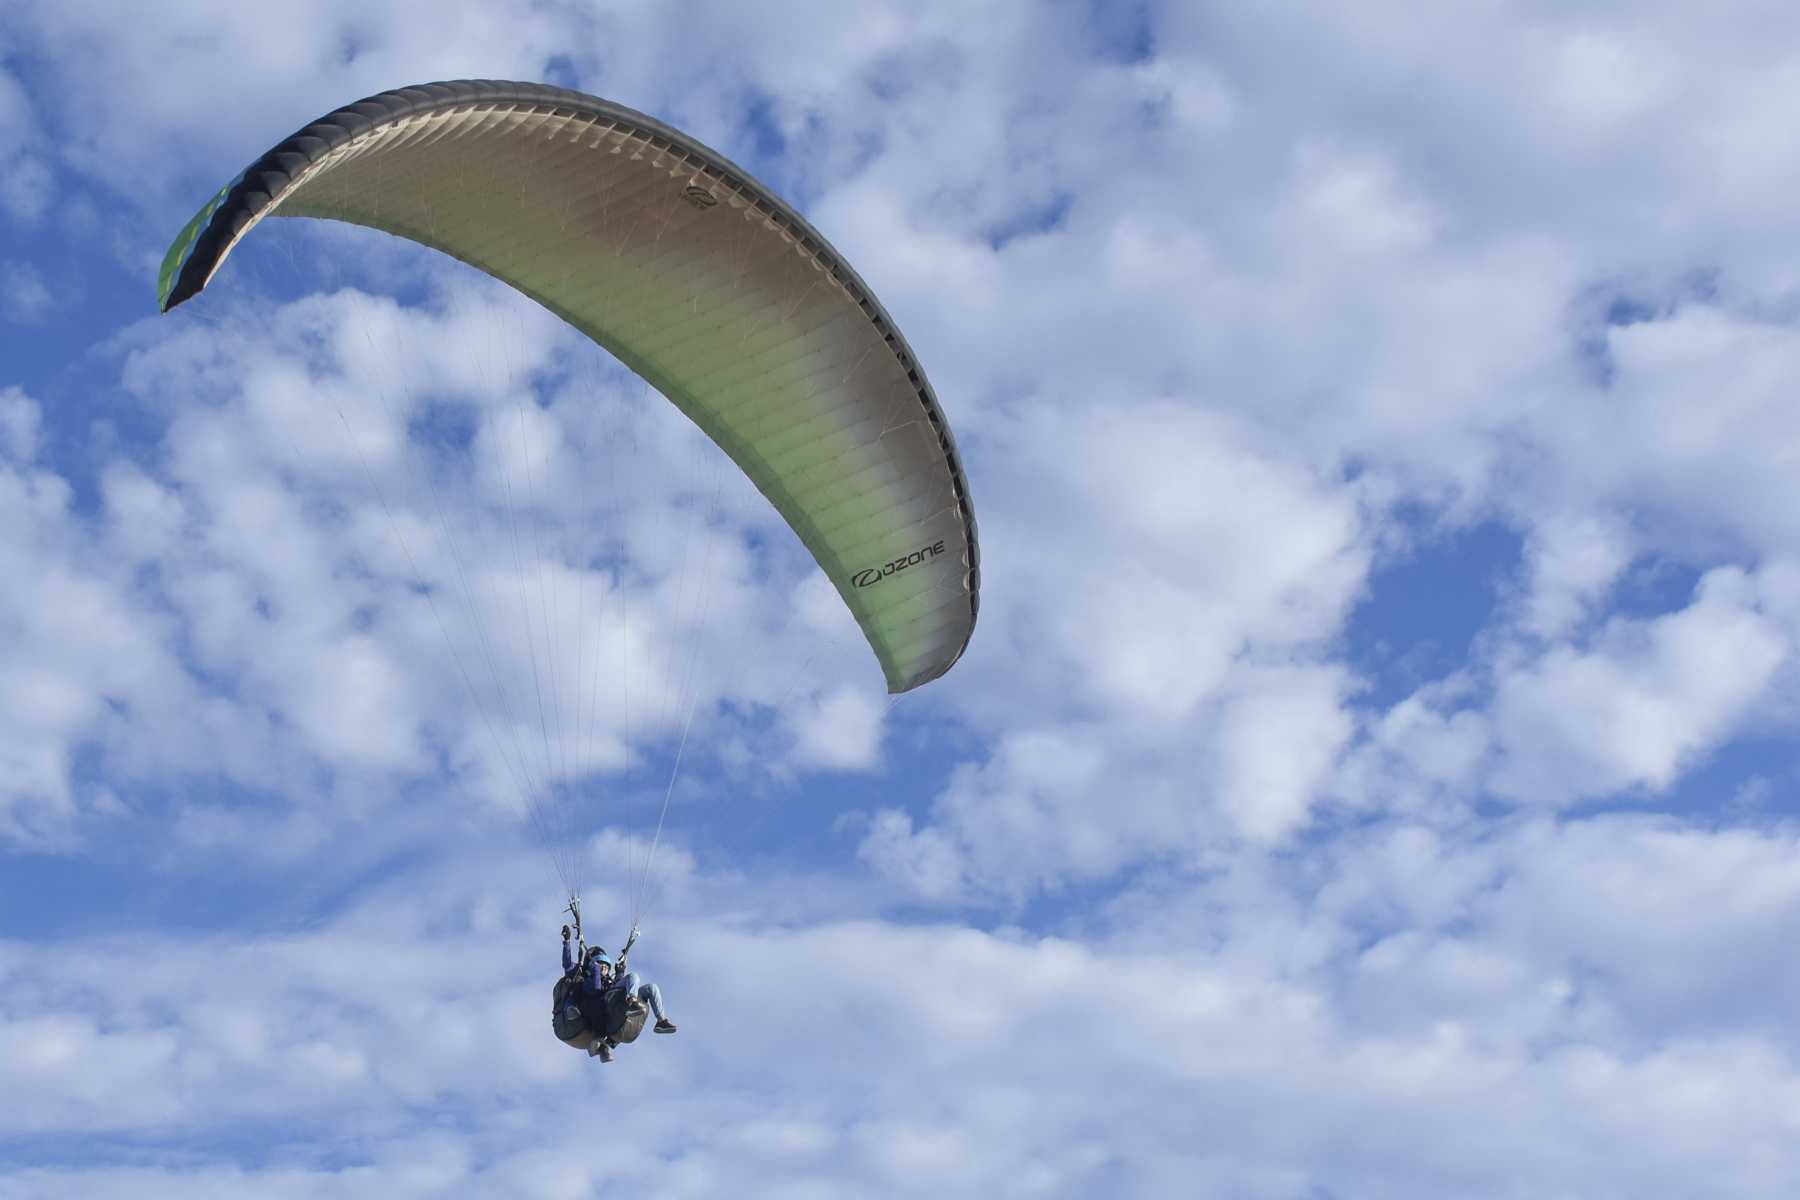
(873, 575)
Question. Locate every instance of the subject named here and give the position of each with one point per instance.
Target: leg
(651, 995)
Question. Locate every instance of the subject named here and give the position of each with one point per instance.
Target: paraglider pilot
(599, 974)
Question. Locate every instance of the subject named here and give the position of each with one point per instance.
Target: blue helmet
(598, 954)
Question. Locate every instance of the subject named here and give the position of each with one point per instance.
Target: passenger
(649, 993)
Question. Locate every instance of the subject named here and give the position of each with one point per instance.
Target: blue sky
(1373, 772)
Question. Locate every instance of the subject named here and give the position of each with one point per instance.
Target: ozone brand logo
(864, 578)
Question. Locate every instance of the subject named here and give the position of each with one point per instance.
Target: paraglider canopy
(694, 275)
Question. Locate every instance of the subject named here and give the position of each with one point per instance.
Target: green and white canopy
(696, 277)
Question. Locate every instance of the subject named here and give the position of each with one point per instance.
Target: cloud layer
(1216, 867)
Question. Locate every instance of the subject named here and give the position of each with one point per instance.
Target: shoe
(665, 1026)
(600, 1050)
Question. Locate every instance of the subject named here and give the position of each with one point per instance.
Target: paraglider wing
(697, 278)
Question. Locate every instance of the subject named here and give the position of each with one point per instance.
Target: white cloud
(925, 1059)
(24, 298)
(1066, 804)
(1051, 804)
(1700, 434)
(80, 643)
(279, 70)
(1424, 753)
(26, 183)
(840, 730)
(20, 419)
(18, 125)
(26, 189)
(1652, 696)
(1572, 561)
(1276, 745)
(1133, 552)
(926, 863)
